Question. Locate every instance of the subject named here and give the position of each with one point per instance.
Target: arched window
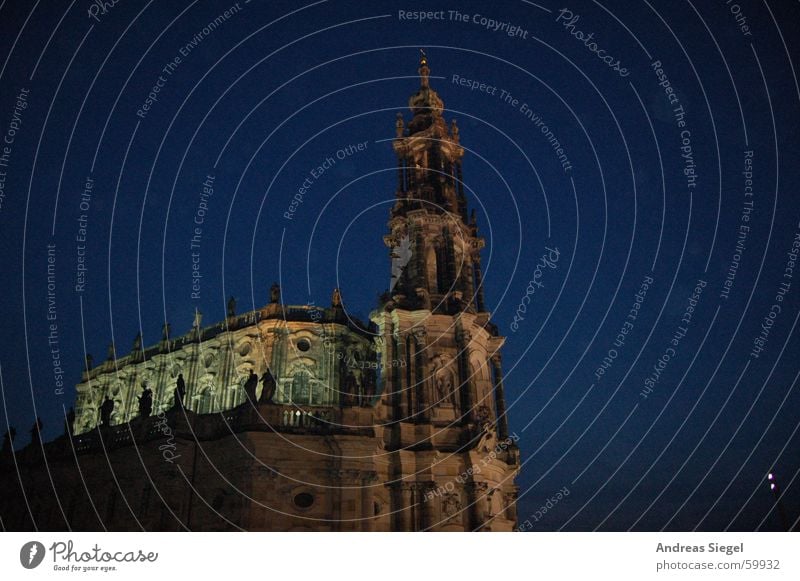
(441, 269)
(301, 388)
(432, 268)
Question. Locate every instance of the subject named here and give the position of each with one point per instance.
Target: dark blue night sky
(647, 149)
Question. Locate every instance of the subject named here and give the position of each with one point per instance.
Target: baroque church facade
(300, 417)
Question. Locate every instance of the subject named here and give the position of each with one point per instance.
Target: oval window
(303, 345)
(303, 500)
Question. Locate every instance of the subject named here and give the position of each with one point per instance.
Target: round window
(303, 500)
(303, 345)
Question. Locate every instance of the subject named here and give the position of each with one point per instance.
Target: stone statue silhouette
(36, 431)
(444, 387)
(231, 307)
(106, 409)
(336, 298)
(180, 391)
(250, 387)
(483, 416)
(443, 380)
(146, 403)
(275, 293)
(451, 504)
(268, 387)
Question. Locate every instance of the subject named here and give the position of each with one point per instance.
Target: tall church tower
(449, 458)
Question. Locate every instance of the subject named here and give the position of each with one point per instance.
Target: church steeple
(426, 105)
(424, 71)
(431, 214)
(442, 403)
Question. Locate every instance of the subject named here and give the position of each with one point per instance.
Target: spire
(430, 216)
(424, 71)
(425, 104)
(428, 153)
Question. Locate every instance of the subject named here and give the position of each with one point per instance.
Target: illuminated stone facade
(301, 418)
(314, 354)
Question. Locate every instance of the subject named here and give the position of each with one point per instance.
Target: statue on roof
(36, 431)
(268, 387)
(146, 402)
(250, 387)
(180, 391)
(106, 409)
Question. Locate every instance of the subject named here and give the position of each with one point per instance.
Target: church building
(302, 418)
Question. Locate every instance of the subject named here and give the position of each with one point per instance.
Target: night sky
(647, 149)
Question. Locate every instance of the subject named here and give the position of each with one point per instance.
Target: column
(420, 278)
(409, 393)
(450, 259)
(400, 181)
(468, 279)
(466, 399)
(161, 388)
(403, 511)
(421, 377)
(426, 505)
(477, 499)
(394, 379)
(479, 299)
(462, 200)
(368, 480)
(191, 376)
(499, 398)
